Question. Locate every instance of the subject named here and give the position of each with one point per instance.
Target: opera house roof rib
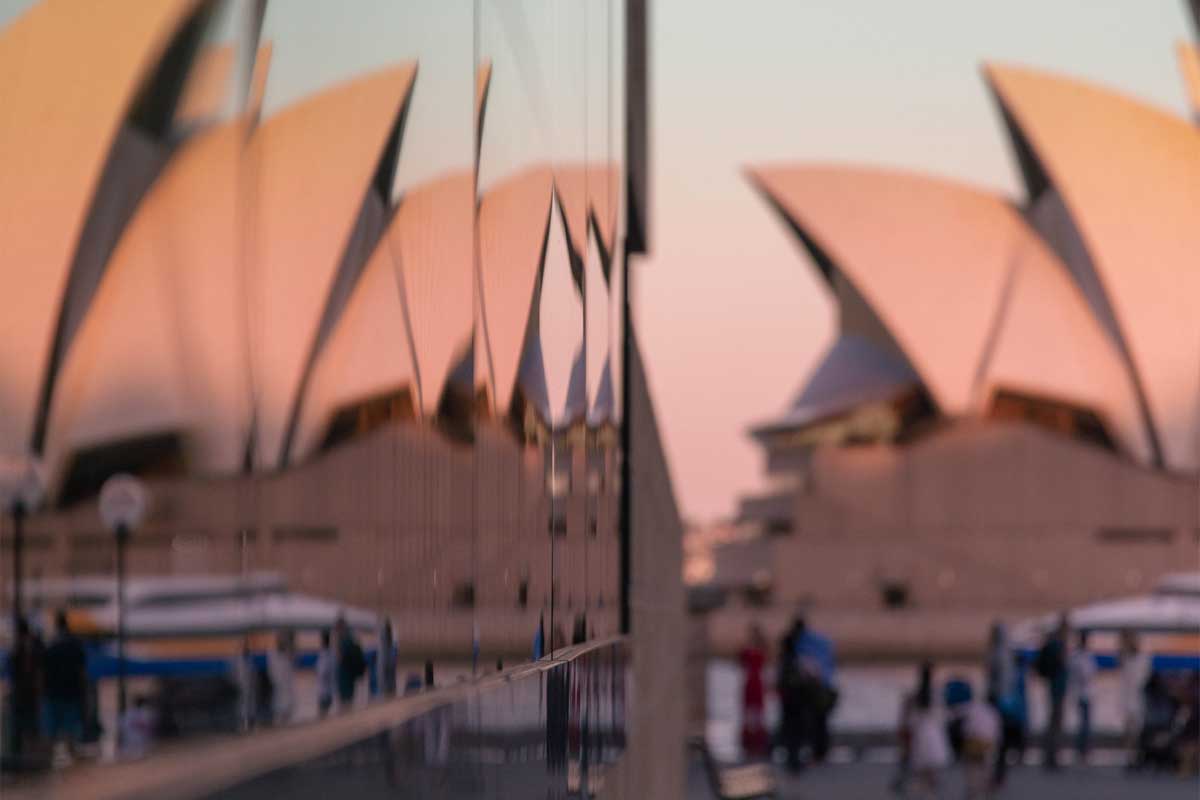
(1129, 176)
(74, 73)
(320, 194)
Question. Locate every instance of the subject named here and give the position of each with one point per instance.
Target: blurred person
(981, 733)
(1155, 741)
(930, 750)
(1187, 741)
(65, 689)
(1013, 708)
(351, 663)
(25, 683)
(137, 728)
(539, 638)
(817, 664)
(1081, 670)
(789, 684)
(1135, 672)
(1051, 665)
(753, 659)
(386, 660)
(281, 666)
(245, 677)
(264, 691)
(325, 670)
(957, 696)
(1000, 663)
(904, 735)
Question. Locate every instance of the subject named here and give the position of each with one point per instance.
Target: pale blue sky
(731, 316)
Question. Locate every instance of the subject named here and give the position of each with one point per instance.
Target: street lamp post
(17, 514)
(20, 493)
(123, 505)
(122, 533)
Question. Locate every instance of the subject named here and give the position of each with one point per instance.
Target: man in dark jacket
(66, 685)
(1051, 665)
(24, 670)
(351, 663)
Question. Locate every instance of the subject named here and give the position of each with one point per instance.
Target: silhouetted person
(791, 701)
(66, 686)
(1014, 715)
(326, 669)
(24, 669)
(815, 660)
(1051, 665)
(351, 664)
(387, 660)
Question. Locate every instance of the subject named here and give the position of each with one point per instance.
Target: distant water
(870, 696)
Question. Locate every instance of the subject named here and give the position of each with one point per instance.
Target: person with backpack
(351, 665)
(789, 683)
(1051, 665)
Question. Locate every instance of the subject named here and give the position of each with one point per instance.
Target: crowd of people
(52, 710)
(983, 730)
(805, 679)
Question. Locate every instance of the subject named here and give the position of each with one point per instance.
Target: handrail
(201, 769)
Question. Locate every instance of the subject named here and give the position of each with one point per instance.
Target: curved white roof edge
(314, 163)
(1130, 175)
(70, 71)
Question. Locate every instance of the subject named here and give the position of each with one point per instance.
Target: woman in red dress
(755, 741)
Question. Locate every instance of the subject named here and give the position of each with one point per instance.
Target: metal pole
(625, 530)
(18, 545)
(122, 537)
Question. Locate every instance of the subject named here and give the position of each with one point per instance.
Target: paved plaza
(867, 781)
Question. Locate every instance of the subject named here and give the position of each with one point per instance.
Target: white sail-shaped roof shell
(513, 219)
(69, 71)
(163, 345)
(928, 256)
(313, 163)
(976, 301)
(1129, 175)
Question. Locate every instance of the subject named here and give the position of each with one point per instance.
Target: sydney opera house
(1009, 419)
(323, 321)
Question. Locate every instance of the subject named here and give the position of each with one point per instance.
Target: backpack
(1046, 663)
(356, 663)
